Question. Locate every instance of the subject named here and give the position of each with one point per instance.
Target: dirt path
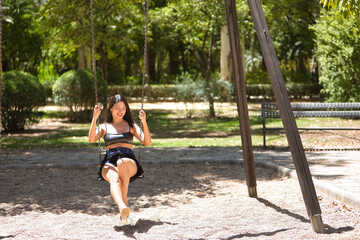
(184, 201)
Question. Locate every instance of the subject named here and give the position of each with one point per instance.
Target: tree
(338, 52)
(347, 7)
(21, 38)
(289, 23)
(117, 26)
(66, 25)
(199, 22)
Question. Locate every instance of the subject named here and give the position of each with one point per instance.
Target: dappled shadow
(256, 235)
(141, 226)
(61, 190)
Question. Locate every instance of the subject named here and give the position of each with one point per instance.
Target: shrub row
(23, 94)
(164, 92)
(295, 90)
(155, 92)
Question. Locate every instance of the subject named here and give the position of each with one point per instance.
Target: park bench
(305, 110)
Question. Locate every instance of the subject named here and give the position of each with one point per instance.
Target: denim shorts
(114, 154)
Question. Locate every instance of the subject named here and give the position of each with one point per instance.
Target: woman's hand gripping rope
(97, 112)
(142, 116)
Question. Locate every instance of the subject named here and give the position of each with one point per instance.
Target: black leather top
(112, 138)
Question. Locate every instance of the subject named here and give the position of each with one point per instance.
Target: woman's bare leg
(111, 175)
(126, 169)
(119, 179)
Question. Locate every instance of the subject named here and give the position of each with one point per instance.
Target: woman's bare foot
(124, 214)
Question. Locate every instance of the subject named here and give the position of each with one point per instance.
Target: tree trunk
(208, 78)
(127, 67)
(225, 56)
(81, 51)
(151, 65)
(173, 62)
(103, 60)
(82, 57)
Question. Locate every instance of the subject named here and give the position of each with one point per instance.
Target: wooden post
(240, 89)
(291, 130)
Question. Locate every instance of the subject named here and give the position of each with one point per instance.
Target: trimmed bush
(259, 90)
(22, 94)
(129, 91)
(75, 89)
(222, 91)
(158, 92)
(295, 90)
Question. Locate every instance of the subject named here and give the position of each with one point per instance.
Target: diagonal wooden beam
(291, 129)
(240, 89)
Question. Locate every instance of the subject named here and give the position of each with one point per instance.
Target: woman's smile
(119, 109)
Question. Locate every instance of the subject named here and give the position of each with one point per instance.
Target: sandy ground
(184, 201)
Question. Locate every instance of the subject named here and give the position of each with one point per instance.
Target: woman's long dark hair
(127, 117)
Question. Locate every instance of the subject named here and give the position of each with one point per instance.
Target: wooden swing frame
(279, 88)
(282, 99)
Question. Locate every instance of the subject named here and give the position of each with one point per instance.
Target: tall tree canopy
(22, 39)
(347, 7)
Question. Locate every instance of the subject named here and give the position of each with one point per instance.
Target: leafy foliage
(22, 94)
(47, 76)
(22, 39)
(189, 91)
(347, 7)
(289, 23)
(338, 53)
(75, 89)
(183, 38)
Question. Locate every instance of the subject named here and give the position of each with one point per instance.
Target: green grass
(169, 128)
(66, 138)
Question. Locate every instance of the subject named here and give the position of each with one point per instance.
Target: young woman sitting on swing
(120, 166)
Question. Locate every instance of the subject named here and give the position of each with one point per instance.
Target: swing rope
(94, 71)
(145, 74)
(145, 68)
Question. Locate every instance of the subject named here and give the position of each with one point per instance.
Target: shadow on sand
(141, 226)
(328, 229)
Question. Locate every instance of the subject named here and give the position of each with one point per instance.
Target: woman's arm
(146, 135)
(93, 131)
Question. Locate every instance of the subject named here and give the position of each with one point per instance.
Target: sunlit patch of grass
(196, 142)
(169, 128)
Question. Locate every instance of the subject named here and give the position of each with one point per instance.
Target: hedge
(22, 94)
(165, 92)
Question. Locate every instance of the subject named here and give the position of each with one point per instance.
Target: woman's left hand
(142, 116)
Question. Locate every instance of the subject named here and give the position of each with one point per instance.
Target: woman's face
(118, 110)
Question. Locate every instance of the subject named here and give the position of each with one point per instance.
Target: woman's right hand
(97, 112)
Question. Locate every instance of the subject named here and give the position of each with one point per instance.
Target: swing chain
(145, 68)
(94, 71)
